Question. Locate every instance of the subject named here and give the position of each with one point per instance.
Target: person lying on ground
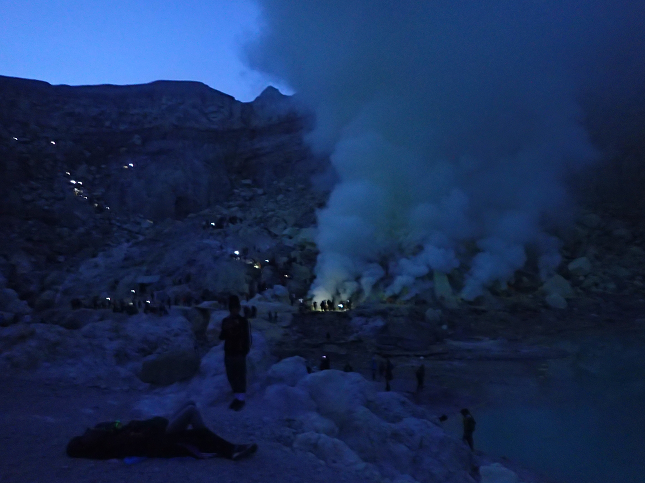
(156, 438)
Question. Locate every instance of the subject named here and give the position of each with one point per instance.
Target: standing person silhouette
(469, 428)
(236, 334)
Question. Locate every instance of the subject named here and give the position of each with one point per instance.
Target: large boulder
(169, 367)
(557, 284)
(6, 319)
(556, 301)
(579, 267)
(393, 407)
(384, 430)
(288, 371)
(15, 334)
(414, 446)
(11, 303)
(45, 300)
(331, 450)
(27, 346)
(311, 421)
(287, 399)
(210, 384)
(77, 319)
(337, 394)
(496, 473)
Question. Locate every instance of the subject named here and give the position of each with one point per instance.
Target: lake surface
(579, 420)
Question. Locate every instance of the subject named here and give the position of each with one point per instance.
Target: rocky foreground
(131, 213)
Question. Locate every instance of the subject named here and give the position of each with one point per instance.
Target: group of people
(329, 306)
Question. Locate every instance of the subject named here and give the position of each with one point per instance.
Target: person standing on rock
(421, 375)
(389, 373)
(236, 334)
(469, 428)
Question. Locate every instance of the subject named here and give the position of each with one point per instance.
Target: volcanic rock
(496, 473)
(557, 284)
(170, 367)
(556, 301)
(579, 267)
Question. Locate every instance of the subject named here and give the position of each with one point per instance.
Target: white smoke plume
(453, 126)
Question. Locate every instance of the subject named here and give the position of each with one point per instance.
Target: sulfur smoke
(453, 127)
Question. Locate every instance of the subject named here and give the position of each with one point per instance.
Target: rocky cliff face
(81, 167)
(164, 149)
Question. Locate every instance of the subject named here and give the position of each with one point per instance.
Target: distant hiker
(330, 306)
(469, 428)
(348, 368)
(157, 437)
(421, 375)
(315, 305)
(236, 334)
(325, 363)
(389, 375)
(323, 306)
(373, 366)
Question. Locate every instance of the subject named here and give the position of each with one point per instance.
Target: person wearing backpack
(236, 334)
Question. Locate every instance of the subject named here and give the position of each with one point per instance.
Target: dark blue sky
(128, 41)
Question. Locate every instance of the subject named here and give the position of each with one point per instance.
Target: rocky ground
(130, 214)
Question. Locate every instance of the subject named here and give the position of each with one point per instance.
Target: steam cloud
(453, 126)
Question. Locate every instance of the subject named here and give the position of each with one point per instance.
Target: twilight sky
(130, 42)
